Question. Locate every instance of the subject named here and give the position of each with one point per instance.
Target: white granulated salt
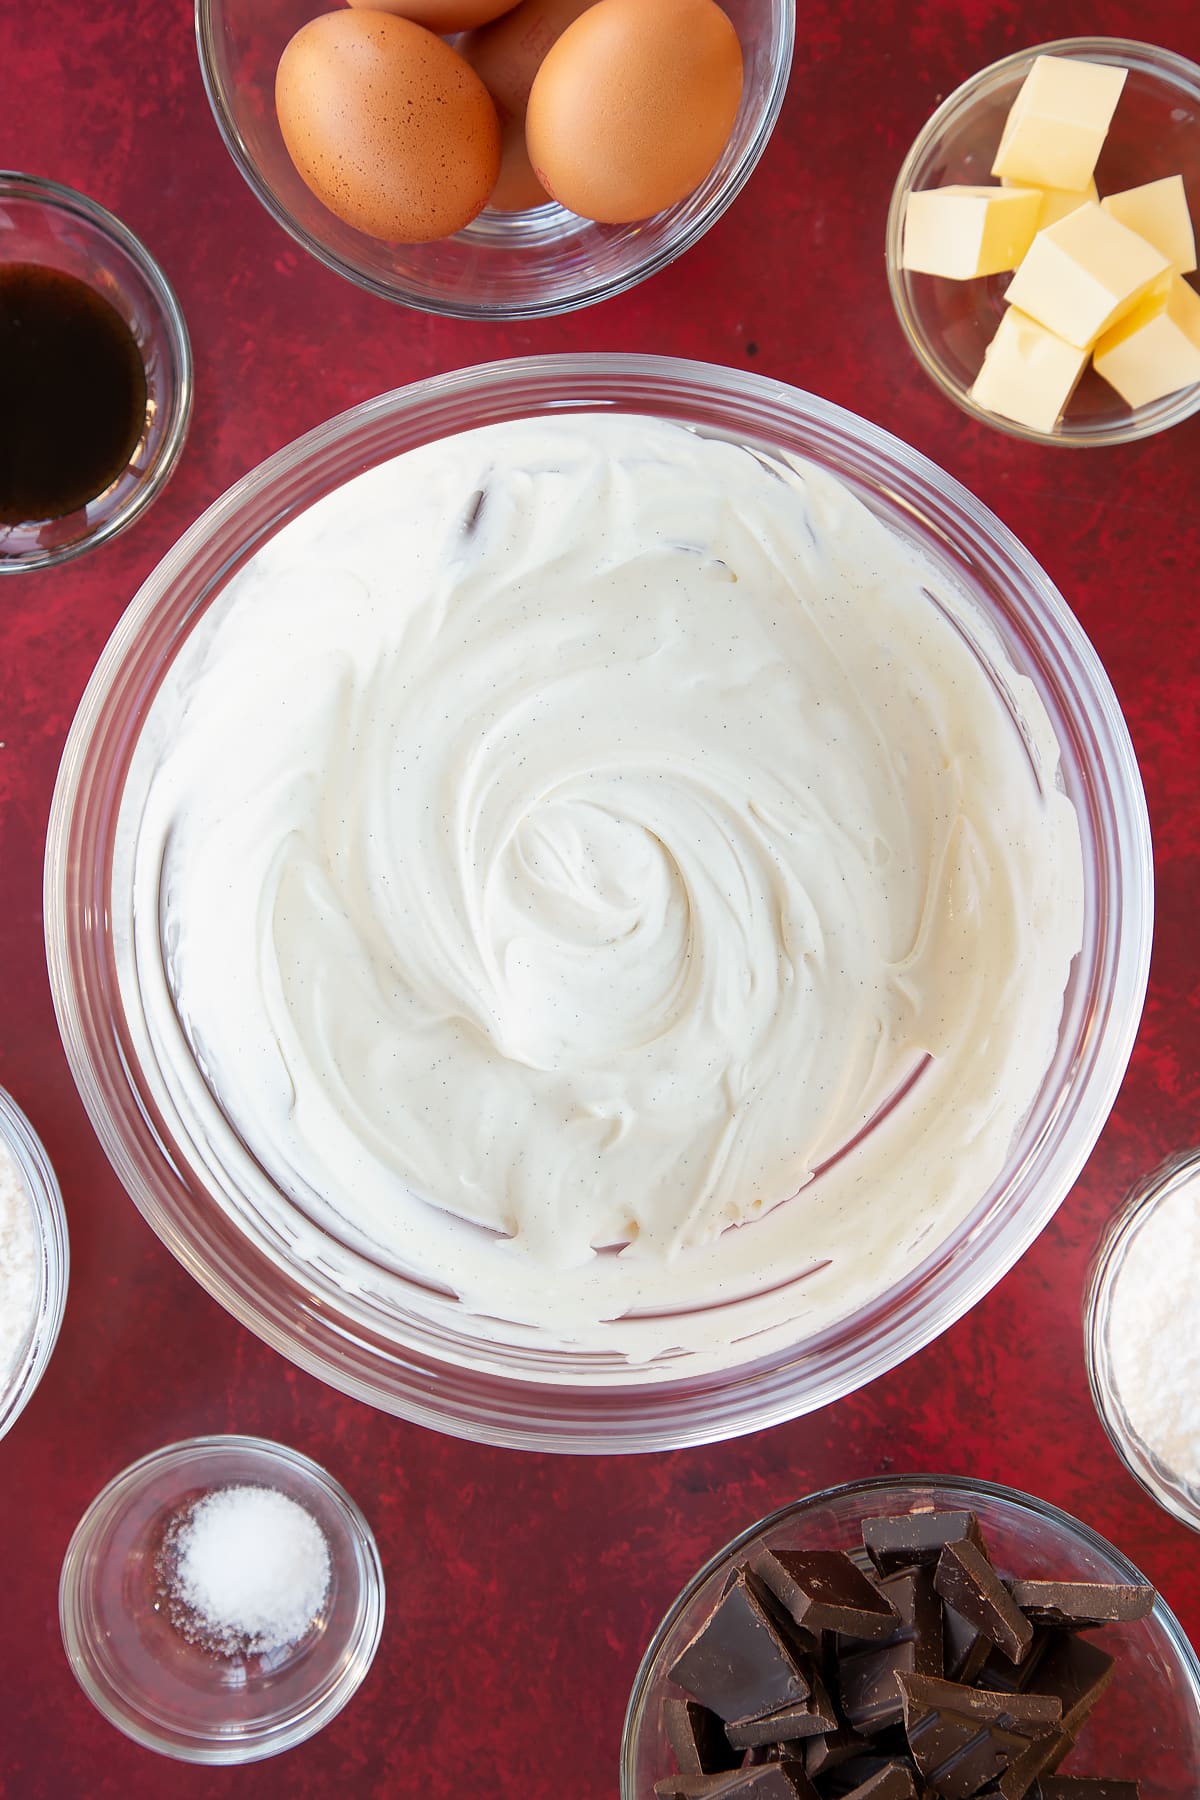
(18, 1264)
(251, 1569)
(1154, 1331)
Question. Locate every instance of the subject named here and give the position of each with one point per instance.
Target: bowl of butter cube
(1041, 243)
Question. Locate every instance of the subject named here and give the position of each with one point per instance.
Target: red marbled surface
(522, 1589)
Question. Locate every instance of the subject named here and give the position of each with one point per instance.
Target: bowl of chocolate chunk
(922, 1637)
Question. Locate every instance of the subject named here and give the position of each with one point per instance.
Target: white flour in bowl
(18, 1264)
(1154, 1331)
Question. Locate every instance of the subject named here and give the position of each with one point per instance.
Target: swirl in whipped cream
(557, 848)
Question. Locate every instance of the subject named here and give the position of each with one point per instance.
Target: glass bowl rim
(29, 1155)
(1143, 422)
(521, 1413)
(452, 307)
(1152, 1475)
(226, 1750)
(179, 383)
(960, 1485)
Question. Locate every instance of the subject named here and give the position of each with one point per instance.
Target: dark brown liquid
(72, 393)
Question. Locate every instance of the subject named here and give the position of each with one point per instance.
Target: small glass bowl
(1148, 1724)
(24, 1147)
(44, 223)
(949, 324)
(1164, 1484)
(174, 1696)
(503, 265)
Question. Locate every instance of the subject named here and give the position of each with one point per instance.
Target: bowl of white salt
(221, 1599)
(1142, 1334)
(34, 1259)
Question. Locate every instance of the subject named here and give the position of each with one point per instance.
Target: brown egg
(387, 125)
(507, 55)
(443, 16)
(633, 105)
(517, 188)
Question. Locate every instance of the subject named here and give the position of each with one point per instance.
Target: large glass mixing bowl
(383, 1338)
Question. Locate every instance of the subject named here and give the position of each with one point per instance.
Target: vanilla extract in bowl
(73, 393)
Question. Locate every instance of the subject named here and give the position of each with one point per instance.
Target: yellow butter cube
(1156, 348)
(964, 231)
(1158, 211)
(1028, 373)
(1084, 274)
(1058, 122)
(1056, 202)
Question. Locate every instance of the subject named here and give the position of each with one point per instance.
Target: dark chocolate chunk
(1034, 1714)
(807, 1718)
(697, 1737)
(851, 1774)
(738, 1665)
(1042, 1754)
(892, 1783)
(957, 1757)
(803, 1644)
(1078, 1605)
(696, 1787)
(870, 1698)
(1084, 1787)
(1007, 1677)
(962, 1738)
(869, 1694)
(916, 1537)
(765, 1781)
(776, 1781)
(823, 1591)
(966, 1580)
(1077, 1672)
(966, 1649)
(824, 1754)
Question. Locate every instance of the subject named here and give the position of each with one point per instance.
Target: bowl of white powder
(598, 902)
(221, 1599)
(1142, 1334)
(33, 1260)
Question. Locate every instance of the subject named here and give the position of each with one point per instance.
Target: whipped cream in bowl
(612, 871)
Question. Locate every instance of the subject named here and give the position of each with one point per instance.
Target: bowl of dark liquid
(95, 374)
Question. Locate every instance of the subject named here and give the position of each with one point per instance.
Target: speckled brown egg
(387, 125)
(633, 105)
(445, 16)
(507, 55)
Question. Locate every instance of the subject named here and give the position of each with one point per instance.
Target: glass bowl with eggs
(598, 902)
(398, 145)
